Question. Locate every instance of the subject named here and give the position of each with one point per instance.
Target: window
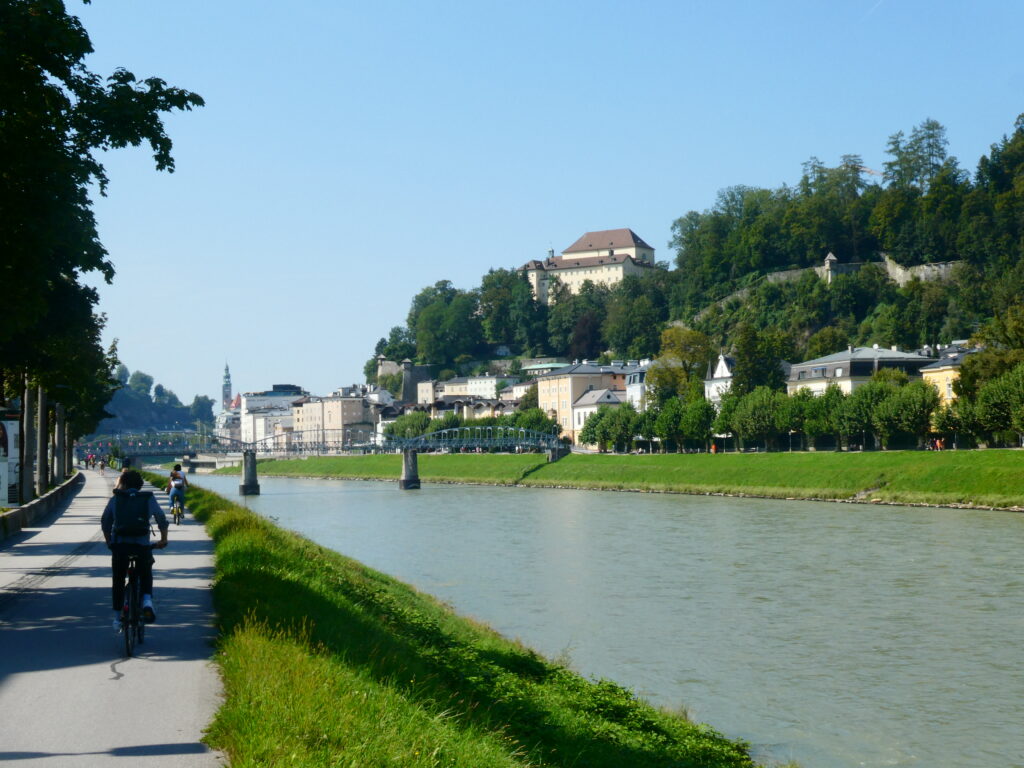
(839, 373)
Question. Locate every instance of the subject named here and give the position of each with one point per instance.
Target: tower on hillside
(225, 393)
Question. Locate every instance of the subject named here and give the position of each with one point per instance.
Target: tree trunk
(28, 443)
(42, 444)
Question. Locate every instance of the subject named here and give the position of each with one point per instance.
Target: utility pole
(42, 445)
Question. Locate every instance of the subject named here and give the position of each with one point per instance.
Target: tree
(826, 342)
(201, 409)
(621, 425)
(140, 382)
(1000, 402)
(856, 417)
(917, 402)
(55, 119)
(682, 361)
(529, 400)
(408, 425)
(668, 423)
(121, 374)
(758, 358)
(594, 431)
(696, 420)
(759, 415)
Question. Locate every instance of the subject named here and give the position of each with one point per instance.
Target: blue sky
(352, 153)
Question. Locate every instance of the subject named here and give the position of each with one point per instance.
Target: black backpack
(131, 512)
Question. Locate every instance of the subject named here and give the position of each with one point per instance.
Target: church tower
(225, 394)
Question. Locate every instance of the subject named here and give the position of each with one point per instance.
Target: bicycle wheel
(130, 621)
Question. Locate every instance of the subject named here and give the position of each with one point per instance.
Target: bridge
(328, 442)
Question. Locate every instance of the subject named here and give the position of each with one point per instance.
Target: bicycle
(132, 625)
(177, 511)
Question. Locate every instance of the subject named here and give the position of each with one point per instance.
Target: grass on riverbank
(327, 662)
(990, 478)
(985, 478)
(498, 469)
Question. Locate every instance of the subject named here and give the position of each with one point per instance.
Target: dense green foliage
(326, 662)
(921, 208)
(55, 118)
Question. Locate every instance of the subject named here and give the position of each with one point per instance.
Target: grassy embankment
(985, 478)
(326, 662)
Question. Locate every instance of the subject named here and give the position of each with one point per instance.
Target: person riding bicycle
(126, 527)
(176, 485)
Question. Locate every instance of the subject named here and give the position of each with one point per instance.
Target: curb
(19, 518)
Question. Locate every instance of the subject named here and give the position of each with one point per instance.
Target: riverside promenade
(68, 696)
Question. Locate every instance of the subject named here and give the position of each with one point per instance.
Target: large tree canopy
(55, 116)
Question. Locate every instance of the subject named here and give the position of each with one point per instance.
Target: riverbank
(982, 478)
(326, 661)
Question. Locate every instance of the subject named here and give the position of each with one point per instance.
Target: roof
(730, 363)
(607, 238)
(601, 397)
(587, 368)
(864, 353)
(563, 262)
(950, 357)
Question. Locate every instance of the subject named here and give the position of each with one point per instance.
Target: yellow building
(558, 391)
(943, 373)
(604, 257)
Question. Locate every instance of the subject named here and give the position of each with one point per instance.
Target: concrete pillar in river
(250, 485)
(410, 479)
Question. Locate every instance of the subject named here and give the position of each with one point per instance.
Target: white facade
(719, 380)
(590, 401)
(487, 386)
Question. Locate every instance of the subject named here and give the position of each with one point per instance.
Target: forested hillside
(138, 405)
(920, 207)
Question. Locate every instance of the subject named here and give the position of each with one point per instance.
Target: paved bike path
(68, 697)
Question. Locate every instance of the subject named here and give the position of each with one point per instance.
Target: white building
(719, 379)
(487, 386)
(260, 411)
(603, 258)
(588, 403)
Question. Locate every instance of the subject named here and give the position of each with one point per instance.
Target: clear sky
(351, 153)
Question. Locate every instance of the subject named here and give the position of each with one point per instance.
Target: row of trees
(55, 118)
(420, 423)
(886, 412)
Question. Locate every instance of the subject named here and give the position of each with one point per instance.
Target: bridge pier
(410, 479)
(250, 486)
(554, 454)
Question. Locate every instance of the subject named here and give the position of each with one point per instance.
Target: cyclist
(125, 524)
(176, 485)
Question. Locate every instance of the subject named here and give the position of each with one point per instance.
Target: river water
(836, 635)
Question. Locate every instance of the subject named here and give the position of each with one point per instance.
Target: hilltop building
(604, 257)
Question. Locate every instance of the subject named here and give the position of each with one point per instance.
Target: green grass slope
(994, 477)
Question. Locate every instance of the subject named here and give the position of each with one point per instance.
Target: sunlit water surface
(836, 635)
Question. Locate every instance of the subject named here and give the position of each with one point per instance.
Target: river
(836, 635)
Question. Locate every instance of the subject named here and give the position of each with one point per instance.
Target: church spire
(226, 389)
